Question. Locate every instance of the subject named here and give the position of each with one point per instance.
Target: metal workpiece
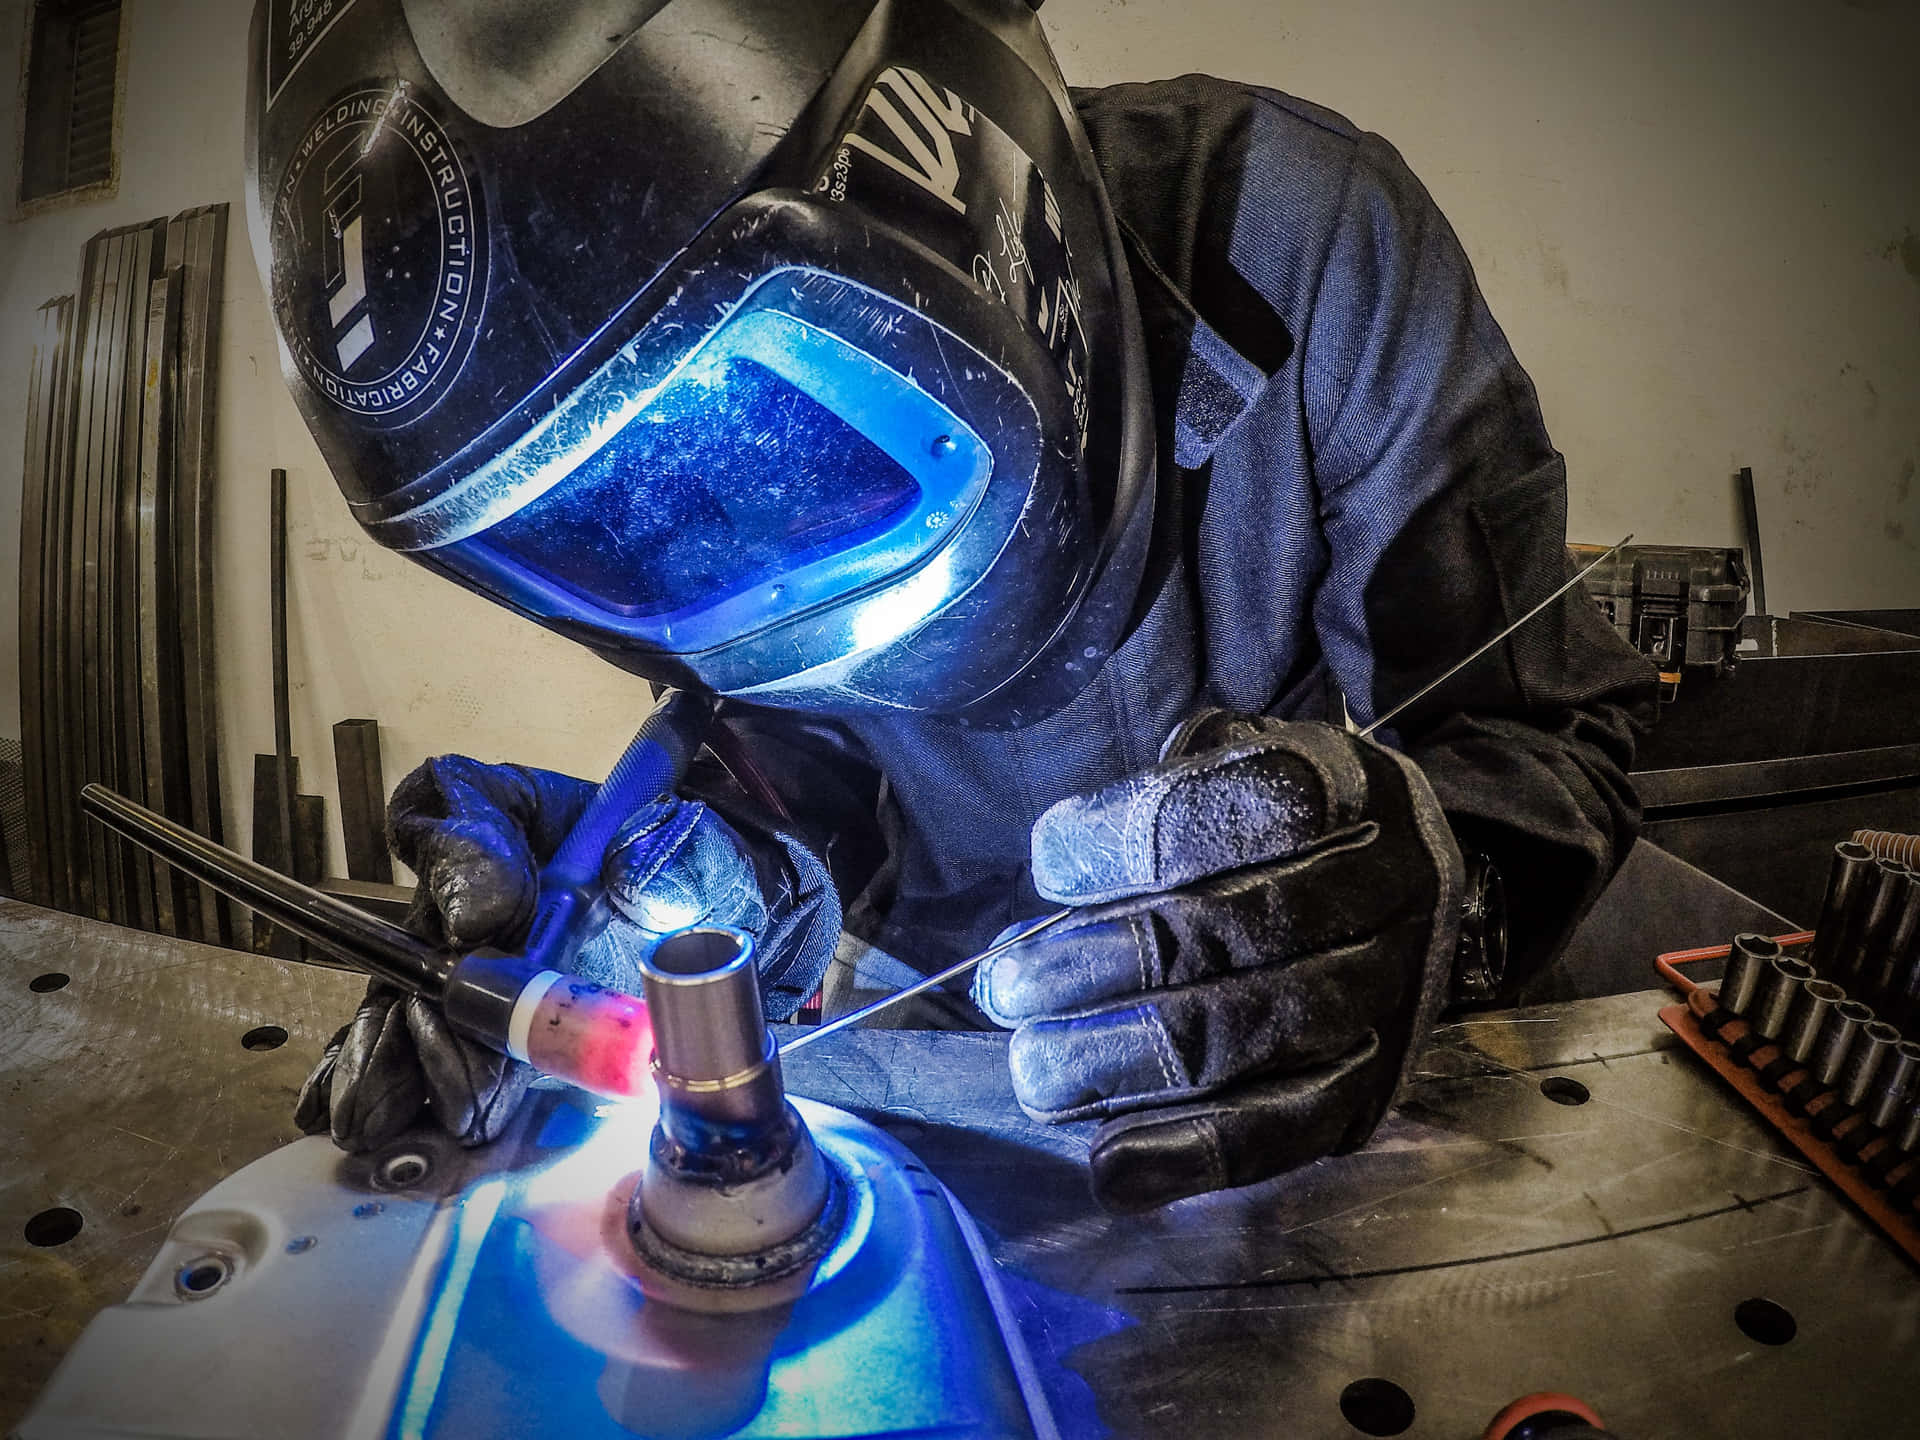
(1893, 1086)
(1780, 985)
(1815, 1002)
(1748, 962)
(1872, 1048)
(736, 1203)
(1837, 1035)
(1848, 881)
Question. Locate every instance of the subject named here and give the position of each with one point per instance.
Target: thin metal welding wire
(1891, 844)
(854, 1017)
(1456, 668)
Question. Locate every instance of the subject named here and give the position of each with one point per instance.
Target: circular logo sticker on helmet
(379, 252)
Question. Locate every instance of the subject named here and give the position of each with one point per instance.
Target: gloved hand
(476, 836)
(1265, 927)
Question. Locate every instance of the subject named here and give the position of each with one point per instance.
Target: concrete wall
(1699, 224)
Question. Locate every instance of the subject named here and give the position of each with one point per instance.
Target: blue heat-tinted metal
(778, 467)
(532, 1317)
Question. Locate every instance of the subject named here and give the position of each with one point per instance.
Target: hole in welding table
(1765, 1321)
(1562, 1091)
(1377, 1407)
(53, 1227)
(46, 984)
(264, 1037)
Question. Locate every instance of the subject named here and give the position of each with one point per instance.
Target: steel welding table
(1594, 1234)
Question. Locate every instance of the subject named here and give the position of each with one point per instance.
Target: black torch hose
(364, 941)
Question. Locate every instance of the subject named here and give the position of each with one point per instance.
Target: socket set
(1820, 1031)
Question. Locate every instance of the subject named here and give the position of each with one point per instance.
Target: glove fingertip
(1143, 1163)
(1082, 850)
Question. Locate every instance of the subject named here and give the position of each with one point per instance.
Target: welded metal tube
(1876, 1044)
(1894, 1084)
(714, 1057)
(1842, 1027)
(1747, 964)
(1779, 988)
(1816, 1002)
(1847, 882)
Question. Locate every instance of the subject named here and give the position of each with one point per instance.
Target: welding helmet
(783, 349)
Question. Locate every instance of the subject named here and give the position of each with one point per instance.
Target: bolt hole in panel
(1563, 1091)
(264, 1037)
(1765, 1321)
(496, 1308)
(48, 983)
(1374, 1406)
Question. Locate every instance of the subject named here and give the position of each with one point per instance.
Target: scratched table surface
(1492, 1240)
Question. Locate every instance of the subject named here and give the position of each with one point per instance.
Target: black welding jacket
(1356, 489)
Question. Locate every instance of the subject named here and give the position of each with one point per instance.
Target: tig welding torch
(520, 1002)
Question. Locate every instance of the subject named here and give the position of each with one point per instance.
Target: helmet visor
(777, 466)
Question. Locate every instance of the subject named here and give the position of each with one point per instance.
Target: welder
(1048, 482)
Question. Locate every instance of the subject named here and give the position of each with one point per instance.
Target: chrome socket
(1837, 1035)
(1747, 962)
(1890, 956)
(1780, 986)
(1908, 1135)
(1876, 1043)
(1847, 881)
(1816, 1002)
(1892, 1087)
(1878, 915)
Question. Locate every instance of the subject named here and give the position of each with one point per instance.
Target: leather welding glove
(1263, 931)
(476, 836)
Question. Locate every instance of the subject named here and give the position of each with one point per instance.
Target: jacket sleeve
(1444, 507)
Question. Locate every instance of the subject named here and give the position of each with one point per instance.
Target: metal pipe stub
(714, 1059)
(736, 1204)
(1747, 964)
